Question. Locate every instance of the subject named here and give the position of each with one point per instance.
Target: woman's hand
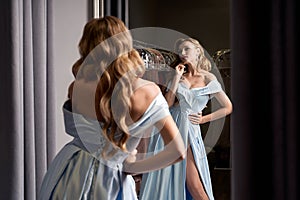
(195, 118)
(131, 157)
(129, 160)
(180, 69)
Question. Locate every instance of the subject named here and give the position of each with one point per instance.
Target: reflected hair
(203, 62)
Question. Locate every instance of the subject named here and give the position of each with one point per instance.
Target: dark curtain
(27, 121)
(265, 94)
(118, 8)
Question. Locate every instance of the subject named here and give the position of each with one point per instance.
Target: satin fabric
(81, 171)
(169, 183)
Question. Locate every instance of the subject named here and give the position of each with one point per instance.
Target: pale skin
(195, 78)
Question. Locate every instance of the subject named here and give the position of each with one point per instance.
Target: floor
(219, 162)
(221, 183)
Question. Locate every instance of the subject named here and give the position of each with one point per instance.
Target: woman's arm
(226, 109)
(222, 98)
(174, 150)
(170, 94)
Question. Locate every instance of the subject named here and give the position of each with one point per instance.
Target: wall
(69, 19)
(206, 20)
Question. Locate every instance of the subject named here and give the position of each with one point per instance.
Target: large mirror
(208, 21)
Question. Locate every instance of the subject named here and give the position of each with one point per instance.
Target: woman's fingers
(180, 69)
(195, 118)
(132, 156)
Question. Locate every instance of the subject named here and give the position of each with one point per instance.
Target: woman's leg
(193, 180)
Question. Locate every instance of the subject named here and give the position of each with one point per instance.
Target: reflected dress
(80, 171)
(169, 183)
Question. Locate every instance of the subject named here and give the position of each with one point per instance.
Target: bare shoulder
(143, 95)
(143, 86)
(208, 76)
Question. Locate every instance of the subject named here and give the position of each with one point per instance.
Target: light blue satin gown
(80, 171)
(169, 183)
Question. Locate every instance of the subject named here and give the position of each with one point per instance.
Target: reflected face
(188, 52)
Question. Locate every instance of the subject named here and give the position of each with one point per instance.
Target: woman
(193, 86)
(109, 109)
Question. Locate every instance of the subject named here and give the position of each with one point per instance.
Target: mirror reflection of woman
(188, 94)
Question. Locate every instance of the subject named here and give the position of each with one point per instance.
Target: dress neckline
(68, 109)
(198, 88)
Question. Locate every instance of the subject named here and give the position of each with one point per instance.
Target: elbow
(229, 109)
(182, 155)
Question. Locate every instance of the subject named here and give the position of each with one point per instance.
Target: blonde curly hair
(107, 56)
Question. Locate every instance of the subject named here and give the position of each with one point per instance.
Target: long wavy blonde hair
(107, 55)
(203, 61)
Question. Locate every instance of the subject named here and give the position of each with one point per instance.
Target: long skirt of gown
(76, 174)
(169, 183)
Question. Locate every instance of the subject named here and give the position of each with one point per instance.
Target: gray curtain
(27, 125)
(265, 92)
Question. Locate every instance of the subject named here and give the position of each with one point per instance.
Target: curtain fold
(118, 8)
(285, 103)
(264, 40)
(27, 118)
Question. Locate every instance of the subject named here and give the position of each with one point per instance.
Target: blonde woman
(109, 110)
(193, 86)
